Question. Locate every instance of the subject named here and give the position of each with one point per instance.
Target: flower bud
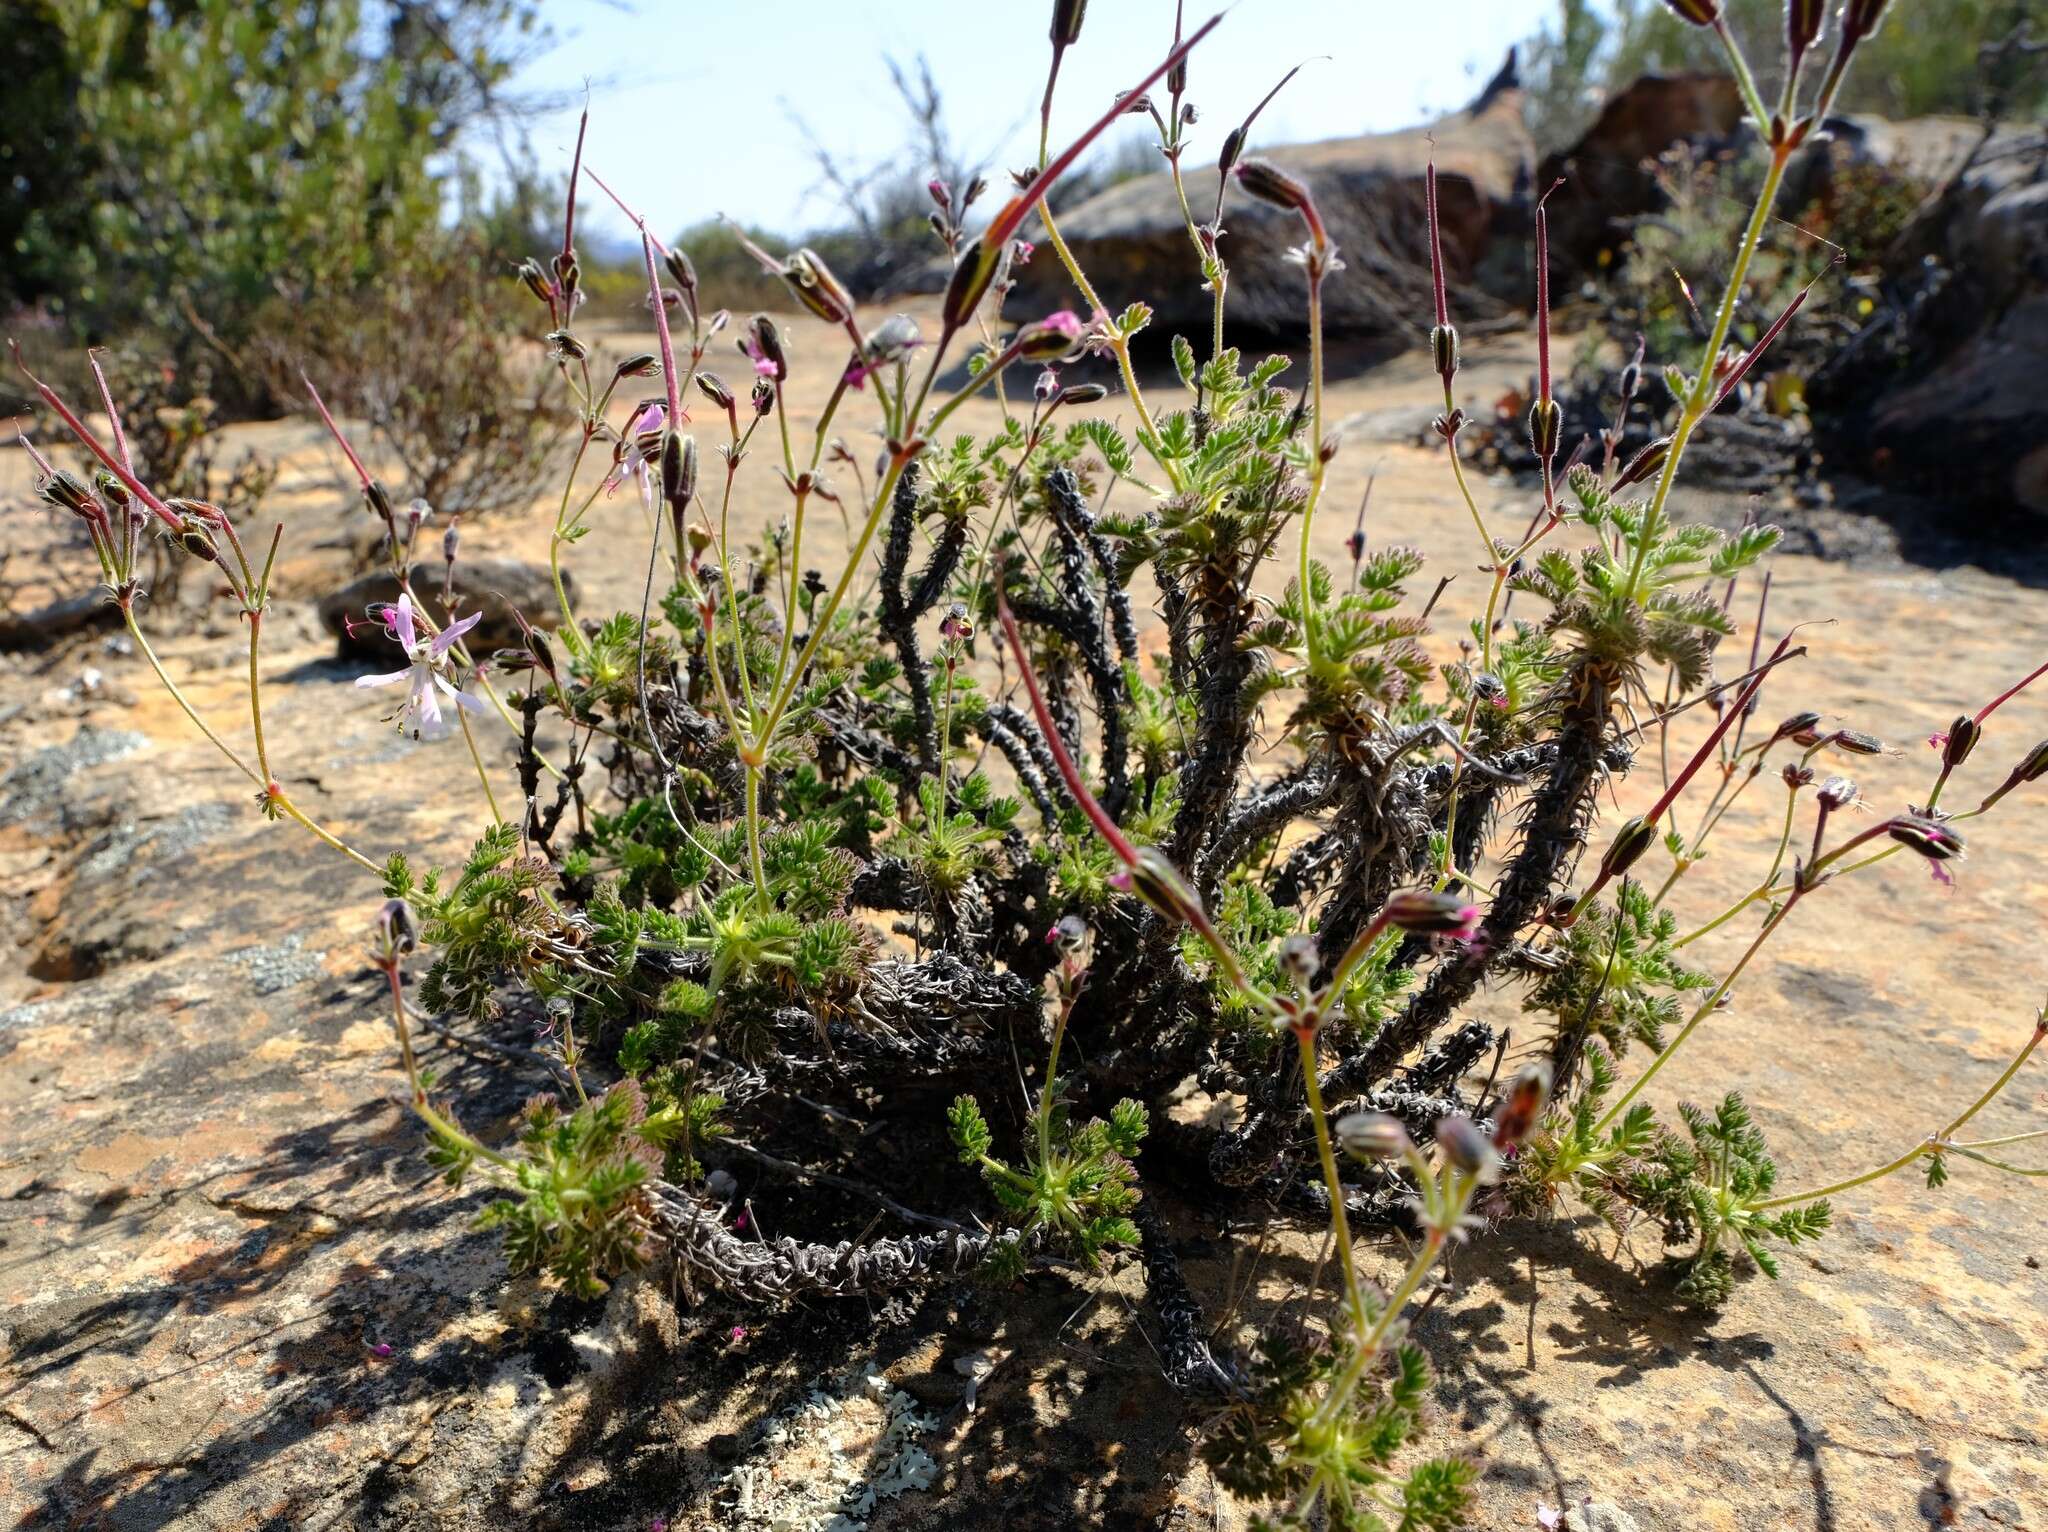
(762, 344)
(1050, 339)
(1930, 837)
(1837, 793)
(1630, 842)
(1269, 183)
(1522, 1105)
(968, 285)
(110, 489)
(1301, 960)
(1158, 882)
(1233, 146)
(941, 193)
(712, 387)
(678, 470)
(397, 931)
(536, 280)
(1083, 393)
(1423, 912)
(1443, 350)
(451, 541)
(1856, 742)
(1962, 738)
(644, 364)
(1802, 25)
(1696, 13)
(1372, 1136)
(1545, 420)
(1066, 22)
(1069, 934)
(1466, 1148)
(680, 267)
(807, 276)
(2034, 765)
(378, 498)
(764, 397)
(565, 347)
(1860, 19)
(1797, 776)
(1796, 725)
(1645, 463)
(63, 489)
(956, 624)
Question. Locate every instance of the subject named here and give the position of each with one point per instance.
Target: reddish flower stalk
(92, 355)
(1436, 247)
(1750, 357)
(362, 473)
(1542, 295)
(1006, 222)
(1620, 858)
(575, 169)
(2007, 695)
(1727, 722)
(977, 266)
(620, 203)
(115, 466)
(668, 349)
(1069, 772)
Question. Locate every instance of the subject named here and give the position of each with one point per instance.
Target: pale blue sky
(690, 98)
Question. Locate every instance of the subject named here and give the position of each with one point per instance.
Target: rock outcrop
(1132, 240)
(495, 587)
(1607, 174)
(1966, 415)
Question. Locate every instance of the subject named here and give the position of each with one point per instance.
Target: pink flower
(737, 1334)
(1021, 252)
(420, 713)
(1423, 912)
(381, 1350)
(1549, 1517)
(639, 447)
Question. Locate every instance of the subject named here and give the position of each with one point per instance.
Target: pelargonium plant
(850, 857)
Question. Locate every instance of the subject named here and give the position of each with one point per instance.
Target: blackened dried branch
(697, 1235)
(938, 570)
(1026, 753)
(1184, 1355)
(899, 619)
(1063, 491)
(866, 746)
(1553, 831)
(1258, 815)
(1104, 679)
(1223, 715)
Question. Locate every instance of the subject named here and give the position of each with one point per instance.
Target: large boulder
(494, 587)
(1608, 174)
(1968, 415)
(1132, 240)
